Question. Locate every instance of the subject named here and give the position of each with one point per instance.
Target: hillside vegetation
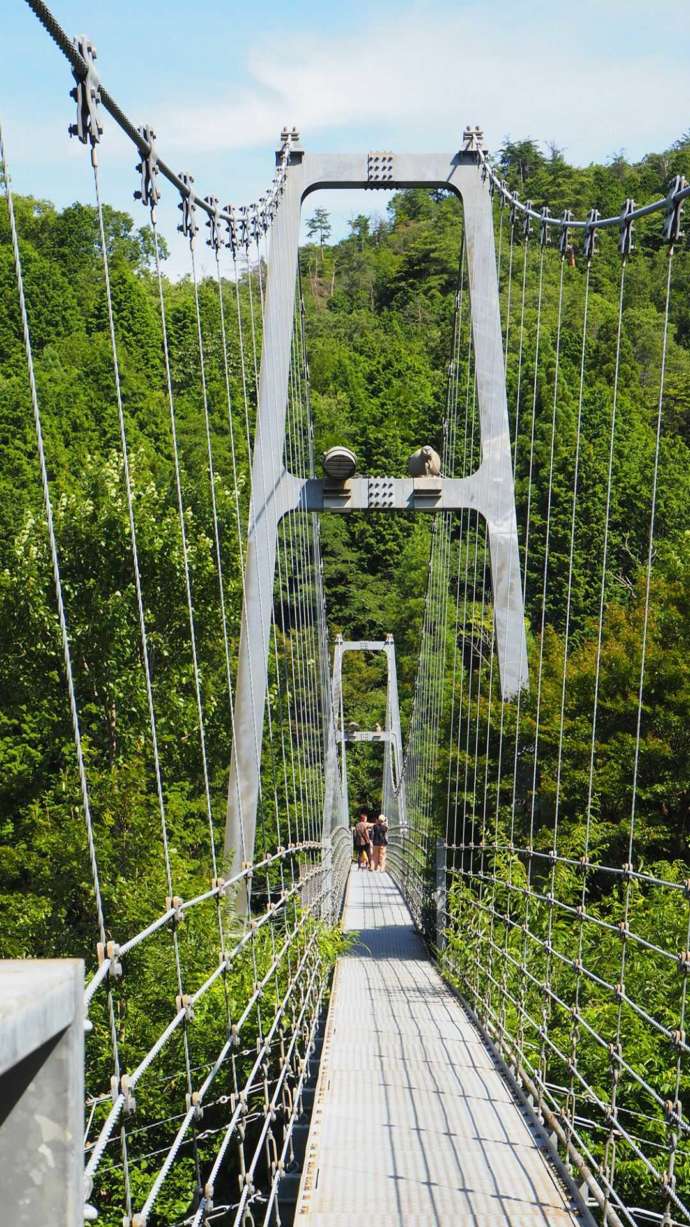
(379, 324)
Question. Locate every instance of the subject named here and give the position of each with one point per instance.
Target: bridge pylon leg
(275, 492)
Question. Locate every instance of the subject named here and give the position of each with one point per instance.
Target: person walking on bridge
(362, 840)
(379, 839)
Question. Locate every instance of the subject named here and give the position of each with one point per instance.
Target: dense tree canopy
(379, 320)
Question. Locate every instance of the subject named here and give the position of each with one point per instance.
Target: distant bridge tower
(336, 800)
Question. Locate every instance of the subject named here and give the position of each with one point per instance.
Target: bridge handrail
(592, 1094)
(130, 1081)
(221, 888)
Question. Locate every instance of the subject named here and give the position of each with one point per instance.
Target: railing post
(42, 1092)
(441, 894)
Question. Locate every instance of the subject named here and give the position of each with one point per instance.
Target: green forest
(380, 309)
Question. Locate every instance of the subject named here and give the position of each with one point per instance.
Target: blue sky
(217, 80)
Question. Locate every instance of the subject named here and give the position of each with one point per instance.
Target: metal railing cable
(553, 944)
(297, 877)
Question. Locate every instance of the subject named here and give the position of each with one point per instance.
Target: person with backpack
(379, 839)
(362, 840)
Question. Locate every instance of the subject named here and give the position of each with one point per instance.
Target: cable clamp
(187, 206)
(234, 1036)
(625, 241)
(684, 962)
(527, 220)
(208, 1196)
(628, 870)
(214, 223)
(544, 226)
(183, 1001)
(173, 903)
(193, 1100)
(148, 193)
(672, 231)
(113, 952)
(623, 929)
(218, 884)
(243, 229)
(232, 235)
(87, 95)
(673, 1111)
(130, 1103)
(259, 222)
(619, 991)
(686, 888)
(678, 1038)
(514, 203)
(590, 243)
(565, 245)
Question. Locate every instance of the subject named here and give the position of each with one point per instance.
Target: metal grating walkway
(413, 1125)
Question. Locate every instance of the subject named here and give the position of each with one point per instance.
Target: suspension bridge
(500, 1033)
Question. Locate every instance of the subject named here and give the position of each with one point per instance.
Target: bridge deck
(413, 1124)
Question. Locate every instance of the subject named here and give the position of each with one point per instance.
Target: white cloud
(426, 75)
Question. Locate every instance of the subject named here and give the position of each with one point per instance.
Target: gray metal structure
(42, 1092)
(336, 799)
(276, 492)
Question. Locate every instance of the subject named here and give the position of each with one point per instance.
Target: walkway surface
(413, 1125)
